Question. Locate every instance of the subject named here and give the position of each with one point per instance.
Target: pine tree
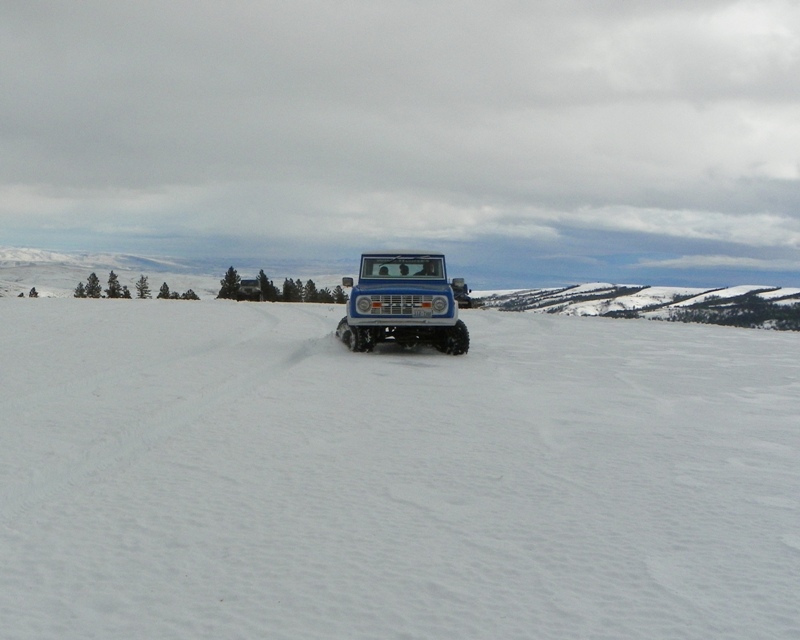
(114, 289)
(80, 291)
(163, 292)
(143, 288)
(300, 289)
(291, 292)
(263, 284)
(325, 295)
(310, 293)
(339, 296)
(190, 295)
(125, 292)
(268, 290)
(230, 285)
(93, 288)
(33, 293)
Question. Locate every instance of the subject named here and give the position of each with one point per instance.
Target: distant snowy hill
(637, 301)
(55, 275)
(15, 257)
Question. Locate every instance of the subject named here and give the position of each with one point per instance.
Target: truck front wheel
(454, 340)
(356, 338)
(362, 339)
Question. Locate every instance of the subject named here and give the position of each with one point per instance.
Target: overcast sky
(538, 142)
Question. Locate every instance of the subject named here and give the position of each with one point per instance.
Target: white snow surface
(175, 469)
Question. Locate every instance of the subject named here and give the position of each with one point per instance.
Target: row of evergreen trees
(231, 288)
(93, 289)
(751, 311)
(292, 290)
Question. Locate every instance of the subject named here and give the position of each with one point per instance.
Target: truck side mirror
(347, 282)
(458, 282)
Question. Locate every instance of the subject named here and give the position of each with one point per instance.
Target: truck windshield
(423, 267)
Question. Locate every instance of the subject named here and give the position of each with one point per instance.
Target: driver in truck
(428, 269)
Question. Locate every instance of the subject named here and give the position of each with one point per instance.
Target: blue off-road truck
(403, 297)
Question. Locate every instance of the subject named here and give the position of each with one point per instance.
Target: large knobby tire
(455, 339)
(344, 333)
(362, 339)
(356, 338)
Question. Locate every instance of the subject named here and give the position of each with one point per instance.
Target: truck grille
(401, 305)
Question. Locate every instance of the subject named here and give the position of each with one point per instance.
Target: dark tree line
(751, 311)
(263, 289)
(231, 287)
(93, 289)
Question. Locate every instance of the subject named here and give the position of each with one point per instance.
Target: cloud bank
(593, 134)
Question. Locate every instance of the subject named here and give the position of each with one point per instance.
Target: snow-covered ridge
(56, 274)
(16, 257)
(605, 299)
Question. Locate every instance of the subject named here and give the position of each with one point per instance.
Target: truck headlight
(364, 304)
(440, 304)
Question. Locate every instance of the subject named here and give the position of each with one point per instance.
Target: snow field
(212, 469)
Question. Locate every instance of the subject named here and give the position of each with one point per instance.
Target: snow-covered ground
(209, 469)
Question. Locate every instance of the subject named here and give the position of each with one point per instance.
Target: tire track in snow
(108, 376)
(117, 450)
